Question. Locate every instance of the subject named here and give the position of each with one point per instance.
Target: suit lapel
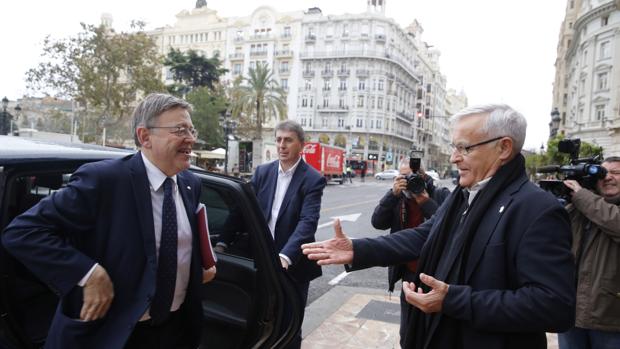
(271, 183)
(142, 195)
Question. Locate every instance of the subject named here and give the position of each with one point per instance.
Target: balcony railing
(327, 73)
(362, 72)
(380, 37)
(285, 36)
(308, 73)
(284, 71)
(310, 38)
(284, 53)
(235, 56)
(344, 72)
(258, 53)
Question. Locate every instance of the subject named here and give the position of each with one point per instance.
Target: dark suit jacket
(519, 280)
(298, 216)
(104, 215)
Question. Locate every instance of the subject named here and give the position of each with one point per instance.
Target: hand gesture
(338, 250)
(400, 184)
(430, 302)
(98, 294)
(572, 185)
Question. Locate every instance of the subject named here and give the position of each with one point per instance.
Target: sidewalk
(357, 318)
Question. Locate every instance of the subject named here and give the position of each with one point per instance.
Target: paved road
(357, 199)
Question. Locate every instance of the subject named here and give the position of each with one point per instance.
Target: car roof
(20, 149)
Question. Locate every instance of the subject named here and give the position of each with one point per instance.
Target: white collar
(476, 188)
(155, 175)
(290, 170)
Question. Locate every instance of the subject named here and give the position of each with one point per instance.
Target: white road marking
(338, 278)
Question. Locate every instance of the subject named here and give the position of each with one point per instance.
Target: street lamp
(18, 111)
(5, 122)
(229, 128)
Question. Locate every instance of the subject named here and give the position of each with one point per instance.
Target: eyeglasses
(466, 149)
(180, 131)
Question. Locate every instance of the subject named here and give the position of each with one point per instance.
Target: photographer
(595, 220)
(399, 209)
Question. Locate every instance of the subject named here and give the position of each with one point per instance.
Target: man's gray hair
(151, 107)
(291, 126)
(502, 121)
(612, 159)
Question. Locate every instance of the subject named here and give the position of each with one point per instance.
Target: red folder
(206, 251)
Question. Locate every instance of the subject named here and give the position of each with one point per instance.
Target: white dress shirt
(184, 248)
(284, 180)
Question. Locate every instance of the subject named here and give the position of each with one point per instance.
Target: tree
(102, 70)
(191, 70)
(258, 101)
(208, 106)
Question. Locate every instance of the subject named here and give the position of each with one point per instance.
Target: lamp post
(18, 111)
(228, 126)
(5, 123)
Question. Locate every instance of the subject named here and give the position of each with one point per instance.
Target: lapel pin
(189, 188)
(501, 209)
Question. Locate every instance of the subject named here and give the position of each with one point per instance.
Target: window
(372, 102)
(345, 30)
(308, 84)
(284, 84)
(359, 123)
(599, 112)
(324, 122)
(378, 124)
(380, 87)
(237, 69)
(325, 102)
(604, 50)
(604, 21)
(372, 123)
(284, 67)
(311, 105)
(303, 122)
(380, 103)
(340, 122)
(343, 85)
(327, 85)
(360, 101)
(341, 103)
(286, 32)
(361, 85)
(602, 81)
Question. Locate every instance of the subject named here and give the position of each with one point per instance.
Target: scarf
(434, 247)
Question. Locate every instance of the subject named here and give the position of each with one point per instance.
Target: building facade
(358, 81)
(586, 94)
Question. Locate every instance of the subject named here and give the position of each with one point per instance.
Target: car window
(27, 191)
(227, 226)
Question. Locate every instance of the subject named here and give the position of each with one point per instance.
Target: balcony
(332, 109)
(364, 36)
(286, 36)
(362, 72)
(284, 71)
(258, 53)
(380, 37)
(235, 56)
(344, 72)
(284, 53)
(260, 37)
(327, 73)
(308, 73)
(310, 39)
(238, 38)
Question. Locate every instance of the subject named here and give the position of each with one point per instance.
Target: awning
(210, 154)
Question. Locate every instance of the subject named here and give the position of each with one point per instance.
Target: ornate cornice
(587, 18)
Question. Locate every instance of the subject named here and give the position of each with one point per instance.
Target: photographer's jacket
(387, 215)
(596, 245)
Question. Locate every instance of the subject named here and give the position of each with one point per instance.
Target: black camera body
(586, 171)
(415, 181)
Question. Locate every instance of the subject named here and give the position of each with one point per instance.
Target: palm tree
(258, 100)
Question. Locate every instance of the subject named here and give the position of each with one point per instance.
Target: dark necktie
(167, 263)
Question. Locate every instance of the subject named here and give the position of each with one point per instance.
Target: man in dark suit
(289, 193)
(119, 244)
(495, 268)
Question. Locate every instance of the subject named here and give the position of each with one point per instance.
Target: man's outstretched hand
(338, 250)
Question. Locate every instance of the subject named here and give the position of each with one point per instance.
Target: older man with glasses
(495, 268)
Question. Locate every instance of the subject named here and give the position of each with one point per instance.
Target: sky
(496, 51)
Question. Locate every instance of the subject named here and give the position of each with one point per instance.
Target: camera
(586, 171)
(415, 181)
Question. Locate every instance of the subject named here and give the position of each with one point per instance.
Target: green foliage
(208, 106)
(258, 101)
(101, 69)
(191, 70)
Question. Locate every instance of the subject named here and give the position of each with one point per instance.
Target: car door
(245, 306)
(252, 302)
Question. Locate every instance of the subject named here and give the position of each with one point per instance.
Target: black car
(243, 306)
